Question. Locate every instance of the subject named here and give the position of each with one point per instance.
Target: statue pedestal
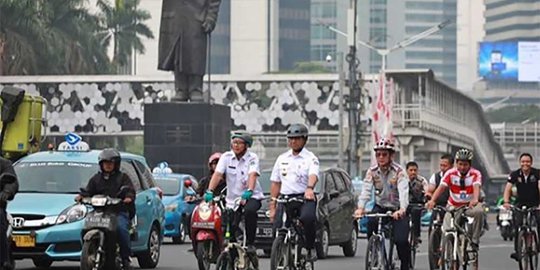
(185, 134)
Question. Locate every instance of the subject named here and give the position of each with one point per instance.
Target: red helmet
(187, 182)
(215, 156)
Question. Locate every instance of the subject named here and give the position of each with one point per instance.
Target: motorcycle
(207, 232)
(9, 263)
(100, 246)
(506, 226)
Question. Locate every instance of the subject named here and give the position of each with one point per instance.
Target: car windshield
(170, 186)
(54, 177)
(264, 179)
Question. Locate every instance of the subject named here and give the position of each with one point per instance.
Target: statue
(185, 27)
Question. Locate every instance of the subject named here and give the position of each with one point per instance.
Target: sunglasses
(382, 154)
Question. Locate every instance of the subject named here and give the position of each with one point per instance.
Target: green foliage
(44, 37)
(514, 114)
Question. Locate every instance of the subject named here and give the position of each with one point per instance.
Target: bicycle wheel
(532, 240)
(280, 254)
(412, 243)
(225, 262)
(375, 257)
(447, 261)
(434, 248)
(522, 250)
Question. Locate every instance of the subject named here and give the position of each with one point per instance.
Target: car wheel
(150, 257)
(42, 262)
(180, 239)
(349, 248)
(322, 245)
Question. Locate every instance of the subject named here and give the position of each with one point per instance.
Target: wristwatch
(310, 187)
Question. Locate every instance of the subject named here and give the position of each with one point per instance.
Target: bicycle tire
(375, 252)
(533, 251)
(447, 262)
(412, 240)
(224, 262)
(434, 248)
(280, 254)
(523, 255)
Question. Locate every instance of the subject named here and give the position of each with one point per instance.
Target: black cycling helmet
(244, 136)
(464, 154)
(111, 155)
(297, 130)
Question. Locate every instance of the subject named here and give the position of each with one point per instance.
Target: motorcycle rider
(295, 173)
(241, 170)
(391, 192)
(8, 188)
(464, 183)
(109, 181)
(527, 181)
(417, 187)
(203, 183)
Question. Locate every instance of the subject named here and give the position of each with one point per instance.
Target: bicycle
(376, 256)
(455, 251)
(527, 239)
(435, 234)
(234, 255)
(287, 248)
(413, 238)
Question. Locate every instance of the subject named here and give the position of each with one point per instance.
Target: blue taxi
(179, 199)
(49, 223)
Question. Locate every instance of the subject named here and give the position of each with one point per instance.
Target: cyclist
(391, 192)
(417, 187)
(296, 173)
(464, 183)
(241, 168)
(445, 163)
(526, 180)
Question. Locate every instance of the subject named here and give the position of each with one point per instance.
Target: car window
(146, 175)
(54, 177)
(340, 185)
(170, 186)
(329, 181)
(128, 169)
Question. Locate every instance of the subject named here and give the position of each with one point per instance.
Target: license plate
(266, 232)
(97, 221)
(505, 216)
(24, 240)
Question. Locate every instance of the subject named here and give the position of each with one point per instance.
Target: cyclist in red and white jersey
(465, 184)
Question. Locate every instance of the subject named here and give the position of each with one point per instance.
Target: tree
(123, 25)
(514, 114)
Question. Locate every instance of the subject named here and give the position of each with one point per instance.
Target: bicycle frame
(458, 233)
(293, 232)
(381, 239)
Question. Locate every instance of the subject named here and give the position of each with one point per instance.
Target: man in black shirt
(527, 181)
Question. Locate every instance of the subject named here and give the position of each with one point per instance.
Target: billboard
(509, 61)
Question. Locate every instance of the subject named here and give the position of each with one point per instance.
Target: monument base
(185, 135)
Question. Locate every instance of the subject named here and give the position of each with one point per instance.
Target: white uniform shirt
(237, 172)
(293, 171)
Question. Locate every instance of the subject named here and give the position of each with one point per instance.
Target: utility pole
(355, 92)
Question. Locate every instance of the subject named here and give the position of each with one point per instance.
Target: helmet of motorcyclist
(297, 130)
(464, 155)
(214, 158)
(111, 155)
(384, 144)
(244, 136)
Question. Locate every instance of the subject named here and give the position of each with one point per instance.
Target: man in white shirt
(296, 173)
(241, 169)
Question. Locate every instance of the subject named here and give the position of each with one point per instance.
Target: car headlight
(72, 214)
(171, 207)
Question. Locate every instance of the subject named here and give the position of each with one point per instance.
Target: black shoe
(311, 255)
(180, 96)
(514, 256)
(126, 264)
(474, 246)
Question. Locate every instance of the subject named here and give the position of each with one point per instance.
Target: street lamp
(341, 73)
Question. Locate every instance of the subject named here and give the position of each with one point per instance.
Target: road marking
(481, 247)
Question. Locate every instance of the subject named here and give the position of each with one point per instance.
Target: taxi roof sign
(162, 168)
(73, 143)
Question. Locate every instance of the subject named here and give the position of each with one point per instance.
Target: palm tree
(124, 25)
(20, 31)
